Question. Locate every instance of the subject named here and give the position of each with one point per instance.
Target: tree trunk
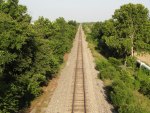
(132, 48)
(132, 51)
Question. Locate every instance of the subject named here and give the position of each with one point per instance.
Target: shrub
(132, 108)
(108, 73)
(131, 62)
(121, 94)
(143, 77)
(145, 87)
(115, 62)
(127, 78)
(102, 64)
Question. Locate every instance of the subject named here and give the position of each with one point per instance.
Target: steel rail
(80, 47)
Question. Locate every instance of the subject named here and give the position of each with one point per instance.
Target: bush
(132, 108)
(115, 62)
(121, 95)
(108, 73)
(145, 87)
(9, 100)
(131, 62)
(127, 78)
(143, 77)
(102, 64)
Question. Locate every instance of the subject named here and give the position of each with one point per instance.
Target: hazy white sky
(79, 10)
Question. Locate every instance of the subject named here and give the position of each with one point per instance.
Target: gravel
(96, 101)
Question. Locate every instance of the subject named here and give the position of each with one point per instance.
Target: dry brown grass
(144, 57)
(42, 101)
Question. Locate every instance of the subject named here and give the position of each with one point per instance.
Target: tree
(126, 32)
(43, 28)
(129, 20)
(71, 22)
(16, 11)
(30, 54)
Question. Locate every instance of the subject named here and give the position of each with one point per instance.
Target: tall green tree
(130, 20)
(30, 54)
(126, 32)
(16, 11)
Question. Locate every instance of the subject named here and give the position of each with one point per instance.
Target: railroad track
(79, 95)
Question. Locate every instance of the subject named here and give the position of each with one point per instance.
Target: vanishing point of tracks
(79, 95)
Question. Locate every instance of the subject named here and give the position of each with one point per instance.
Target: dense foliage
(30, 54)
(125, 82)
(128, 87)
(128, 31)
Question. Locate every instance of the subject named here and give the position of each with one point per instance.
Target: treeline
(30, 54)
(128, 31)
(127, 86)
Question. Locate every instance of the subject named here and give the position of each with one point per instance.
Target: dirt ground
(145, 57)
(40, 104)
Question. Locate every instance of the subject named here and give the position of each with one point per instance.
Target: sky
(79, 10)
